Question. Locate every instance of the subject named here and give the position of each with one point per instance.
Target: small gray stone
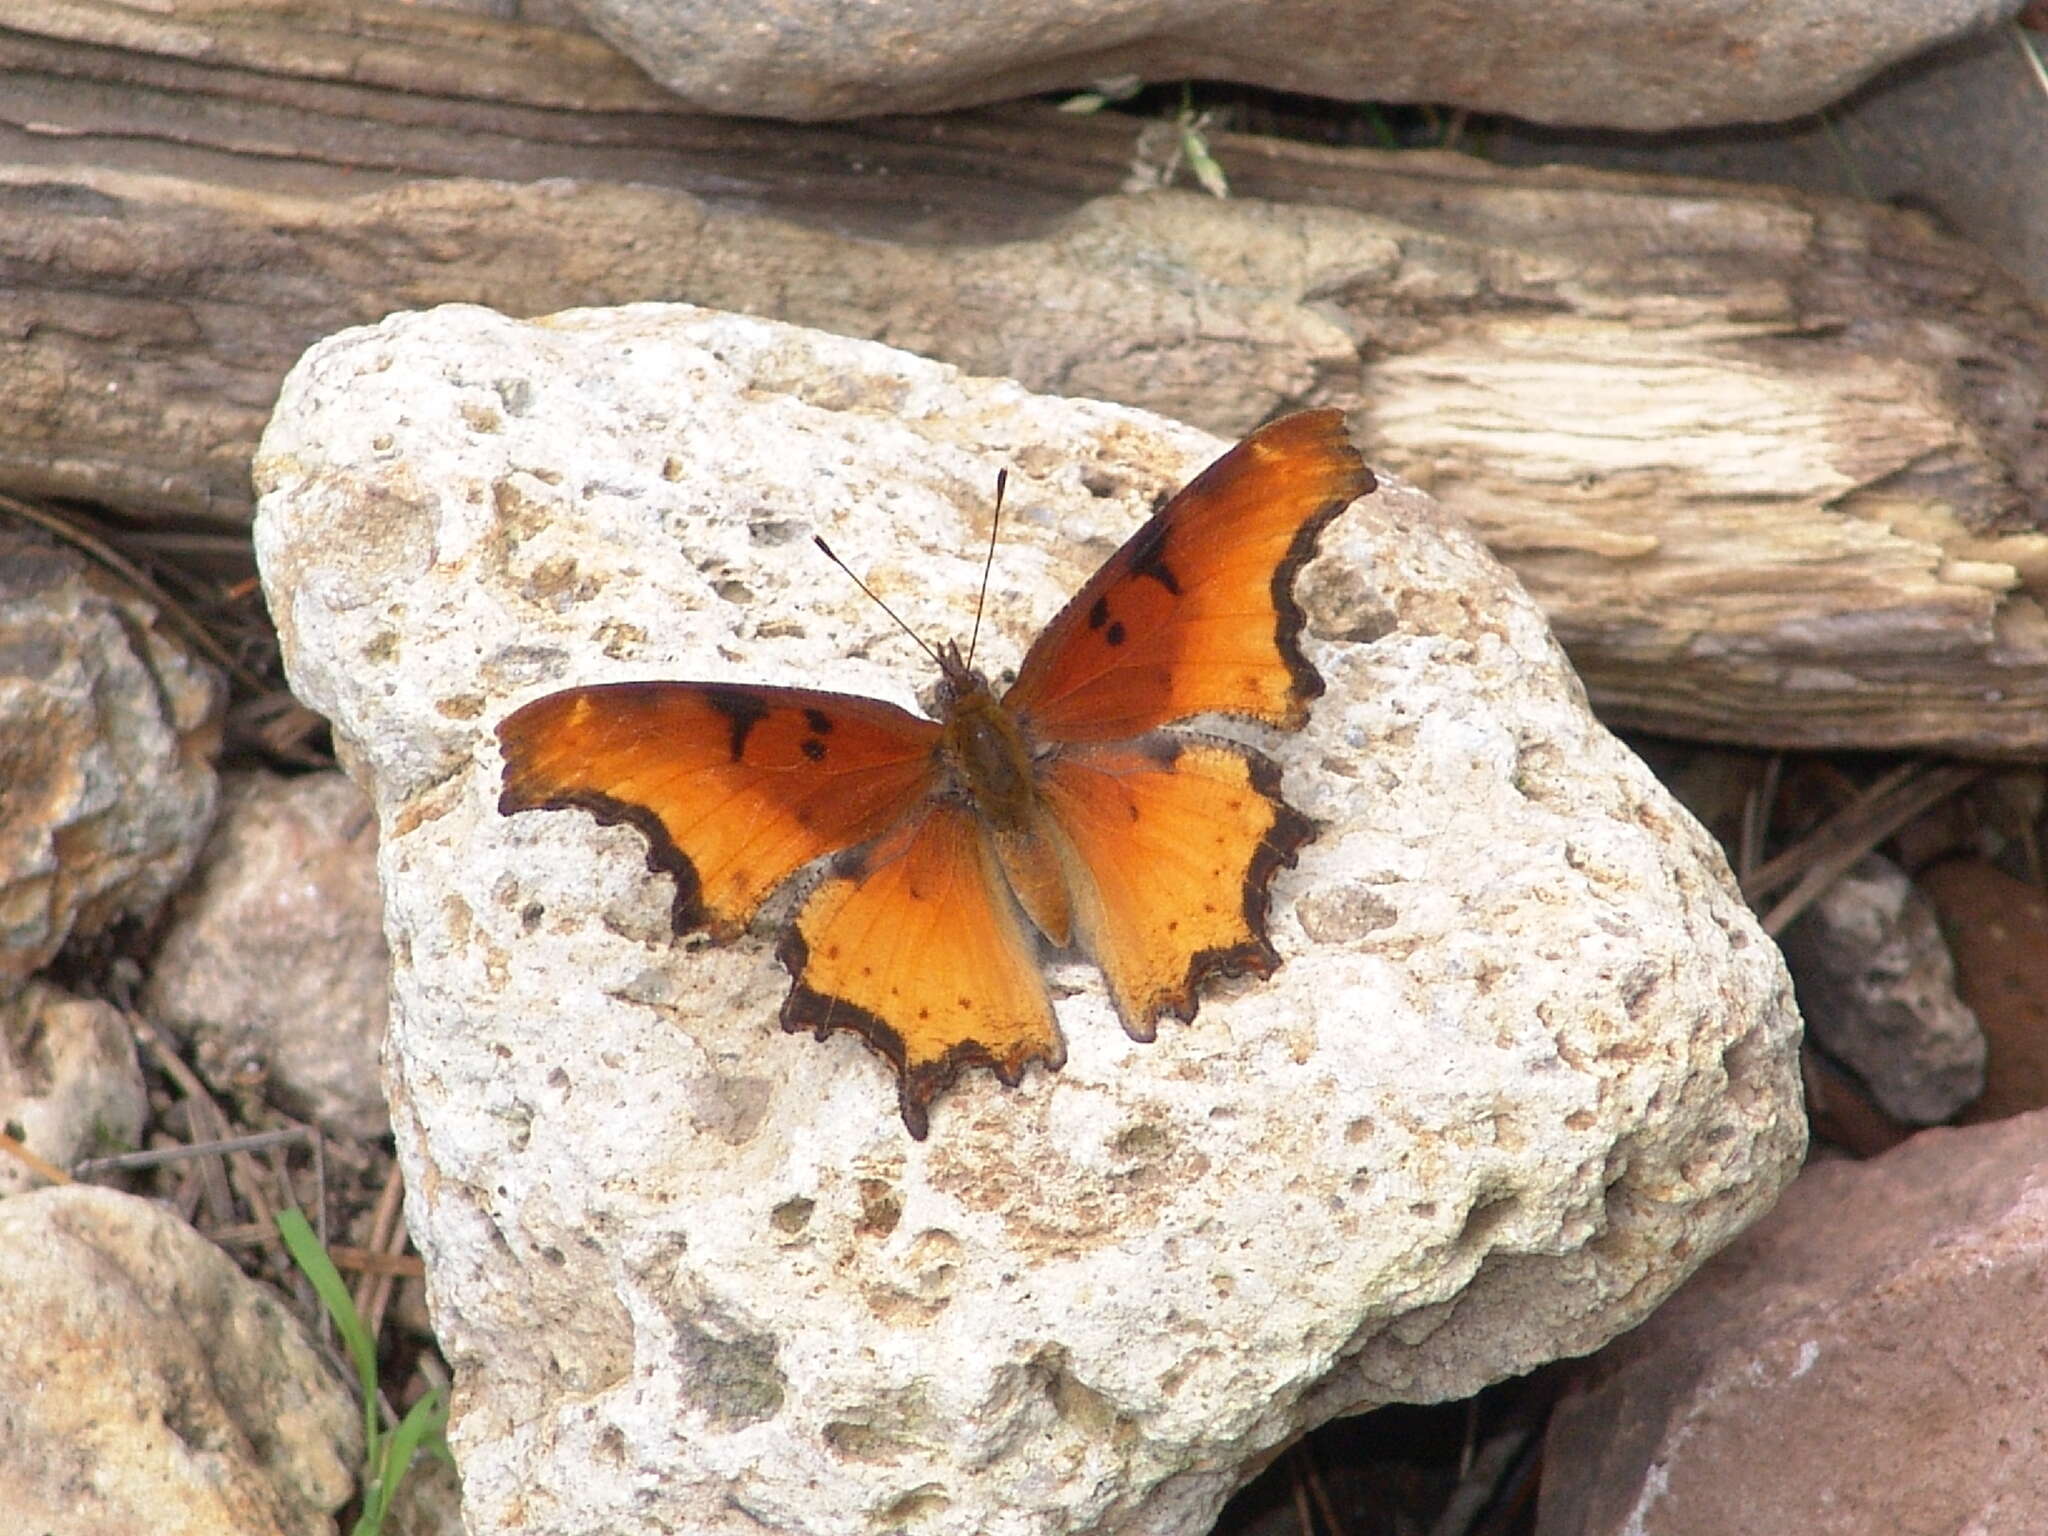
(70, 1086)
(1878, 989)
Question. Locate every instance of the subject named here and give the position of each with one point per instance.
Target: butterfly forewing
(1196, 614)
(736, 787)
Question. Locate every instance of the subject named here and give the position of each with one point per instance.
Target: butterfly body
(982, 747)
(1060, 805)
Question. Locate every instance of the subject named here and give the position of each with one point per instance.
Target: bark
(1773, 462)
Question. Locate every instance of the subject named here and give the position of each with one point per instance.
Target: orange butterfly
(1060, 803)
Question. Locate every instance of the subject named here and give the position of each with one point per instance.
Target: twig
(1299, 1487)
(35, 1162)
(369, 1261)
(1314, 1478)
(128, 1162)
(1817, 861)
(2032, 56)
(1756, 817)
(388, 1237)
(1479, 1485)
(204, 1122)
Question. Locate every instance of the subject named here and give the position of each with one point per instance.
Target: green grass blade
(307, 1253)
(422, 1424)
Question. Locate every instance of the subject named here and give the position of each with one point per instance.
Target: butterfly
(1059, 808)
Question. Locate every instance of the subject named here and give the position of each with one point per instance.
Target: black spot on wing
(1148, 555)
(813, 749)
(819, 722)
(1116, 634)
(1099, 614)
(742, 711)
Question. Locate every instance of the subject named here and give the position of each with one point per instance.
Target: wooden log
(1774, 463)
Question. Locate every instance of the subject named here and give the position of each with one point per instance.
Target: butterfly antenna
(827, 548)
(987, 564)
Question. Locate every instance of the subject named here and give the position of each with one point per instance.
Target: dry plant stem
(1299, 1489)
(1756, 817)
(1842, 830)
(1822, 858)
(1309, 1475)
(155, 1157)
(1513, 1509)
(207, 1125)
(387, 1237)
(42, 1167)
(405, 1266)
(372, 1261)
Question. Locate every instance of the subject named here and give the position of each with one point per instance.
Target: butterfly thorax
(984, 751)
(987, 761)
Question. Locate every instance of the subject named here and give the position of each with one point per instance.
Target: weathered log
(1774, 463)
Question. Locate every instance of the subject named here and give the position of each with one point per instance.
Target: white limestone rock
(1527, 1062)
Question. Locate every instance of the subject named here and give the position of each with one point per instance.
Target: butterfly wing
(914, 943)
(736, 787)
(1171, 844)
(1196, 612)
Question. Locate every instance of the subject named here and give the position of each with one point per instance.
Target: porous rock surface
(146, 1384)
(1597, 63)
(1527, 1060)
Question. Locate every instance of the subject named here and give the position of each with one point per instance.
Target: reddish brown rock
(1997, 928)
(1867, 1360)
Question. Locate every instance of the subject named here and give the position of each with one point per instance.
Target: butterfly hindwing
(1173, 841)
(1196, 614)
(735, 786)
(914, 943)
